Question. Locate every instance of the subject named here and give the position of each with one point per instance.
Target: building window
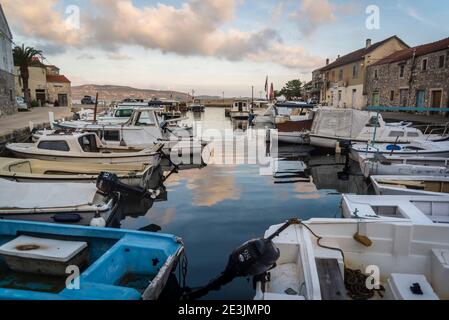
(11, 95)
(355, 71)
(424, 65)
(340, 75)
(442, 62)
(392, 95)
(401, 70)
(339, 96)
(376, 74)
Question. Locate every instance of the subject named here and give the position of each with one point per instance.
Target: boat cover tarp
(48, 195)
(344, 123)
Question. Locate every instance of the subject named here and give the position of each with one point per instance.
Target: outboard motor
(253, 258)
(108, 183)
(345, 146)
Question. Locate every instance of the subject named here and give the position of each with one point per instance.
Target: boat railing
(443, 128)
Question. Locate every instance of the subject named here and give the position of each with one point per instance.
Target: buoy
(98, 221)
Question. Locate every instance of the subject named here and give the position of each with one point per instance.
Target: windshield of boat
(123, 113)
(145, 118)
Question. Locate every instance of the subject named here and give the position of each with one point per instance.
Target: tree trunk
(26, 91)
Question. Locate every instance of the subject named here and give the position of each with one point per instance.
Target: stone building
(7, 90)
(46, 85)
(414, 77)
(344, 80)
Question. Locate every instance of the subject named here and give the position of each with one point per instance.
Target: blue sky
(212, 45)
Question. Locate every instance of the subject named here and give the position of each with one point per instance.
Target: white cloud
(312, 14)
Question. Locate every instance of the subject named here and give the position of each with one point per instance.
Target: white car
(21, 105)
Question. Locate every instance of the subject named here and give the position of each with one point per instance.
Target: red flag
(272, 92)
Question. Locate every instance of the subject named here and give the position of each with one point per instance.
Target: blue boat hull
(120, 262)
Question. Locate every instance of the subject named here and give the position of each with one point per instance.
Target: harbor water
(217, 207)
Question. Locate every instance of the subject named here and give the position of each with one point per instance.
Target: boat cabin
(240, 106)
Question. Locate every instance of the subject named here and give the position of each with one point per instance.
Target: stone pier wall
(7, 94)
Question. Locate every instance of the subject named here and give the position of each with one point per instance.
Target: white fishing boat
(343, 259)
(240, 110)
(414, 209)
(72, 203)
(410, 185)
(40, 171)
(84, 148)
(417, 148)
(332, 125)
(118, 115)
(397, 165)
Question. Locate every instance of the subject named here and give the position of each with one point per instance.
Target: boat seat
(399, 287)
(323, 253)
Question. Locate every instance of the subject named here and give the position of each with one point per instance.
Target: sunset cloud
(193, 29)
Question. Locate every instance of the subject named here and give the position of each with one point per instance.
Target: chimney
(368, 43)
(338, 57)
(327, 61)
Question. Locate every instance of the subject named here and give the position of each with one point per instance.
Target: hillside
(118, 93)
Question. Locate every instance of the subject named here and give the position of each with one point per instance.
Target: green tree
(24, 58)
(291, 90)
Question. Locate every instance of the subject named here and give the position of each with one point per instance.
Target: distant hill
(117, 93)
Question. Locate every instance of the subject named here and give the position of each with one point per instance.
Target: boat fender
(67, 218)
(393, 147)
(98, 221)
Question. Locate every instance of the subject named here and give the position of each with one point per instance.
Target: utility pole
(252, 96)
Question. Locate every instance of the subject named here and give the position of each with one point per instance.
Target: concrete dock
(16, 127)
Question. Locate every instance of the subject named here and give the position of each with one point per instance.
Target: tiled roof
(418, 51)
(57, 79)
(357, 55)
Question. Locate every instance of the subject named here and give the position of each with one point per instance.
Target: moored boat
(417, 148)
(240, 110)
(332, 125)
(402, 208)
(114, 264)
(397, 165)
(72, 203)
(33, 170)
(84, 148)
(332, 259)
(410, 185)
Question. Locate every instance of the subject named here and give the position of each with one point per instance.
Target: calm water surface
(218, 207)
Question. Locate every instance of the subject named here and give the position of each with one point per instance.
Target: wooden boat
(414, 209)
(397, 165)
(332, 125)
(33, 170)
(417, 148)
(331, 259)
(84, 148)
(72, 203)
(114, 264)
(410, 185)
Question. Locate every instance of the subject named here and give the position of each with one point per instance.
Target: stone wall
(389, 84)
(7, 94)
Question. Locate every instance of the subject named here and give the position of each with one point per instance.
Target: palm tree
(24, 58)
